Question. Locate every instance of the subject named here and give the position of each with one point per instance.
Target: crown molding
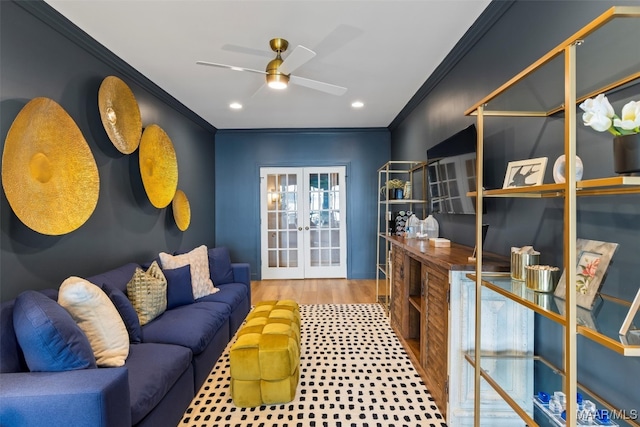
(47, 14)
(485, 21)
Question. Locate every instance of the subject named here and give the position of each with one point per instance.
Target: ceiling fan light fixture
(277, 81)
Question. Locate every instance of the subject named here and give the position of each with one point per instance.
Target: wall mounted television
(451, 171)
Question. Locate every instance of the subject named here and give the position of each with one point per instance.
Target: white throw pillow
(198, 259)
(98, 318)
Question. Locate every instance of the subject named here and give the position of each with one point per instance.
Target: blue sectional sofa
(161, 374)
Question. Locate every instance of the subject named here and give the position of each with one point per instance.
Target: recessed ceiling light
(235, 105)
(357, 104)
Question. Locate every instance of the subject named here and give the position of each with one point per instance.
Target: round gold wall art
(181, 210)
(120, 114)
(158, 166)
(49, 174)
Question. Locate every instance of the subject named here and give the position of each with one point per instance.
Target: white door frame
(303, 229)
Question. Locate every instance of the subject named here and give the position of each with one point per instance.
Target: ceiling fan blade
(247, 50)
(299, 56)
(231, 67)
(321, 86)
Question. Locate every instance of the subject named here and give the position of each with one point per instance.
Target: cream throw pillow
(198, 259)
(98, 318)
(147, 291)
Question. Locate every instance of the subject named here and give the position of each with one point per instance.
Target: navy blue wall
(39, 61)
(239, 156)
(526, 31)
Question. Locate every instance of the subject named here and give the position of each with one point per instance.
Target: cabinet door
(398, 290)
(435, 332)
(507, 328)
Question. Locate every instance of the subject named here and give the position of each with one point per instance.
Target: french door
(302, 222)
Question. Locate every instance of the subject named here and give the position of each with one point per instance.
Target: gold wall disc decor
(181, 210)
(120, 114)
(49, 173)
(158, 166)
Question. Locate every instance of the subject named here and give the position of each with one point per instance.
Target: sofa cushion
(118, 277)
(231, 294)
(11, 358)
(96, 315)
(179, 291)
(49, 337)
(192, 326)
(199, 261)
(127, 312)
(220, 266)
(153, 370)
(147, 291)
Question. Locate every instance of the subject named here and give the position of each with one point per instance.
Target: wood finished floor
(315, 291)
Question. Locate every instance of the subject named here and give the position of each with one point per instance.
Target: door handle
(307, 227)
(299, 228)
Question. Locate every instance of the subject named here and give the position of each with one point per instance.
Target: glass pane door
(303, 233)
(280, 234)
(326, 242)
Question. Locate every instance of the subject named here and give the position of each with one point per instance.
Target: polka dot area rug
(353, 372)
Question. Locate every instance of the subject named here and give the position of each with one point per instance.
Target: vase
(559, 166)
(391, 193)
(626, 154)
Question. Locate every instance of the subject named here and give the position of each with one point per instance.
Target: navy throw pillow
(127, 312)
(49, 337)
(220, 266)
(179, 291)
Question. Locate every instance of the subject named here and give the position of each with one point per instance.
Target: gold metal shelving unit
(415, 173)
(552, 308)
(548, 87)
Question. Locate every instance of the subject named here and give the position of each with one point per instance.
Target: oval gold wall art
(181, 210)
(120, 114)
(158, 166)
(49, 174)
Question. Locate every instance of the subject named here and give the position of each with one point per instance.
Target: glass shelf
(498, 371)
(402, 201)
(589, 187)
(601, 324)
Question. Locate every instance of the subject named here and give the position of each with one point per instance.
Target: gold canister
(541, 278)
(519, 261)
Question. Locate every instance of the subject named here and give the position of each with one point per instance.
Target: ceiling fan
(278, 71)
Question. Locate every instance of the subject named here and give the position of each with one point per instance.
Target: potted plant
(394, 189)
(599, 114)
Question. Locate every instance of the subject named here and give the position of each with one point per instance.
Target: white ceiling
(381, 50)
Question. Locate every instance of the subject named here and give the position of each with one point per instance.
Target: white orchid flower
(600, 115)
(630, 119)
(599, 122)
(600, 106)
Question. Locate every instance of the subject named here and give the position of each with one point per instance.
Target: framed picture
(593, 259)
(525, 173)
(584, 317)
(628, 321)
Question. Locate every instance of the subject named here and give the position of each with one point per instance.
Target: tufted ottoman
(266, 355)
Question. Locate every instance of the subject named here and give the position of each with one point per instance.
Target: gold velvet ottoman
(266, 355)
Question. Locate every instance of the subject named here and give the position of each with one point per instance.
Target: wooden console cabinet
(432, 311)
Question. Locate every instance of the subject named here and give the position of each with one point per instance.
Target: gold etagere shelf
(492, 365)
(592, 187)
(413, 172)
(551, 307)
(550, 87)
